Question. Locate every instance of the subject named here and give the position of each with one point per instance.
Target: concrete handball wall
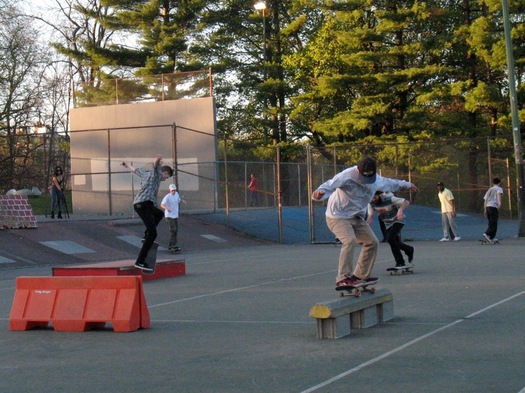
(102, 137)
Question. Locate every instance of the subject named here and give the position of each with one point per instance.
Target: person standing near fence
(349, 193)
(170, 203)
(491, 206)
(253, 186)
(57, 192)
(448, 213)
(145, 204)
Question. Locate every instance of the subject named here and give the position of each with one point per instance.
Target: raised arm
(129, 166)
(157, 160)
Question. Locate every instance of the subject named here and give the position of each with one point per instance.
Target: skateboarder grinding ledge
(145, 204)
(348, 194)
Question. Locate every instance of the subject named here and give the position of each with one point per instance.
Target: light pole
(518, 153)
(261, 6)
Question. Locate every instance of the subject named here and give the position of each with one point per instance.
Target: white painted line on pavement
(18, 257)
(6, 260)
(67, 247)
(136, 241)
(457, 214)
(402, 347)
(131, 239)
(236, 289)
(233, 322)
(214, 238)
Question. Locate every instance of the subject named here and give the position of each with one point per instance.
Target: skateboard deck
(400, 270)
(151, 258)
(355, 290)
(485, 241)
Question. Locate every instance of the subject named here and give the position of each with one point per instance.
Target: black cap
(367, 170)
(439, 183)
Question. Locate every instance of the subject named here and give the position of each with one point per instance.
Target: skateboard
(355, 290)
(400, 270)
(151, 258)
(174, 250)
(485, 241)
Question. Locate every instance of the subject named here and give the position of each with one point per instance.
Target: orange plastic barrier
(77, 304)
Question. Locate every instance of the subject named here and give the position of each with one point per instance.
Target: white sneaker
(457, 239)
(445, 239)
(487, 238)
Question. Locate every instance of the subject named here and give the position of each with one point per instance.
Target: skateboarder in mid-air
(348, 194)
(145, 204)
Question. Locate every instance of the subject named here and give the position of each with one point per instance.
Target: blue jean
(57, 197)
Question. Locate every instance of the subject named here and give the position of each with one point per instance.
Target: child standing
(170, 203)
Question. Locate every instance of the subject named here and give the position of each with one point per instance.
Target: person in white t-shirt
(491, 206)
(170, 203)
(448, 213)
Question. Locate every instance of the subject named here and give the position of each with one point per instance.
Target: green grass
(42, 204)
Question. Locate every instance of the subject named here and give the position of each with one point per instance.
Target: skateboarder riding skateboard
(145, 204)
(391, 211)
(348, 194)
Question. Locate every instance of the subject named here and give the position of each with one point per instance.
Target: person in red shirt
(254, 189)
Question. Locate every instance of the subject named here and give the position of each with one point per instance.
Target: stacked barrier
(16, 212)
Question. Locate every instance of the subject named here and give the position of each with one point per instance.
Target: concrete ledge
(336, 318)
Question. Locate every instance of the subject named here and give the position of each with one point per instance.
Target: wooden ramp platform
(165, 268)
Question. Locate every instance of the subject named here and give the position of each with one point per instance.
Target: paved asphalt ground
(238, 320)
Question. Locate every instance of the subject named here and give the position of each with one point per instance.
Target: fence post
(226, 189)
(279, 196)
(310, 190)
(110, 196)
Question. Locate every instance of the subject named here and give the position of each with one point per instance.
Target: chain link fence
(287, 175)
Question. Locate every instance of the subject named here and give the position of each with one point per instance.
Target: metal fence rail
(286, 179)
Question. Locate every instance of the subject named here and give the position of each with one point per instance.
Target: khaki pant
(449, 225)
(352, 231)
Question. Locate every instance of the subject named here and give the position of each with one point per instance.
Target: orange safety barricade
(77, 304)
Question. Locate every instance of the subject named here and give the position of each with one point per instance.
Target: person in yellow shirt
(448, 213)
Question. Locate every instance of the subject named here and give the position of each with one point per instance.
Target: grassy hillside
(42, 204)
